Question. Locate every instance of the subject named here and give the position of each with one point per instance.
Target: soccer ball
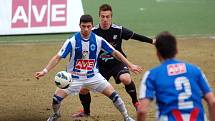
(63, 79)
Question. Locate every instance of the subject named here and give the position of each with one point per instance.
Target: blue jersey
(178, 88)
(83, 54)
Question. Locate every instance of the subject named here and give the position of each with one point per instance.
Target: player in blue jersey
(84, 48)
(177, 86)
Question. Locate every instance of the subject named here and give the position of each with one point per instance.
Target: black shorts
(114, 70)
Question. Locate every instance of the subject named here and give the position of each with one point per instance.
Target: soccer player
(177, 86)
(84, 48)
(108, 65)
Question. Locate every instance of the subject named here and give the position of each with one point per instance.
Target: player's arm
(143, 109)
(146, 95)
(128, 34)
(209, 97)
(51, 64)
(64, 51)
(208, 93)
(116, 54)
(142, 38)
(134, 68)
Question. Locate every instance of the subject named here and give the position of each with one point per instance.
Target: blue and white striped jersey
(84, 54)
(178, 88)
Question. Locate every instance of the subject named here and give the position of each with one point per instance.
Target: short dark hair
(105, 7)
(86, 18)
(166, 45)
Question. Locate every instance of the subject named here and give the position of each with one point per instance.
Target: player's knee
(125, 78)
(57, 99)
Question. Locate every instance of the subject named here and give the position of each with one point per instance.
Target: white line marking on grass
(32, 42)
(161, 1)
(165, 1)
(212, 37)
(196, 35)
(184, 1)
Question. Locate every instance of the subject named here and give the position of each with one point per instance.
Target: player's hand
(135, 68)
(40, 74)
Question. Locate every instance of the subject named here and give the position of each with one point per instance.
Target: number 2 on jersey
(182, 84)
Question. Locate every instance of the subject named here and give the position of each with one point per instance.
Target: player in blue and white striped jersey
(84, 48)
(84, 54)
(177, 86)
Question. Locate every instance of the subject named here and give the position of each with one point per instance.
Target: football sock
(85, 101)
(56, 104)
(56, 108)
(118, 103)
(131, 90)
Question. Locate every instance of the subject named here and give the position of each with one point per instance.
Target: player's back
(179, 89)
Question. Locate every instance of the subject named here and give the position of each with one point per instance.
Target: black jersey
(114, 35)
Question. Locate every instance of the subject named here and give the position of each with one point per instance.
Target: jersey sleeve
(126, 33)
(65, 49)
(106, 46)
(203, 82)
(146, 87)
(142, 38)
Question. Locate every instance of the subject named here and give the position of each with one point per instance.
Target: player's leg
(117, 101)
(121, 74)
(100, 84)
(85, 97)
(59, 95)
(129, 87)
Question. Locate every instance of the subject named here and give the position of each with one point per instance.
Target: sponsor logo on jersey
(92, 47)
(176, 69)
(85, 64)
(114, 36)
(126, 68)
(105, 56)
(85, 54)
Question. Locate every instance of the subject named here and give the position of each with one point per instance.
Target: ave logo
(85, 64)
(176, 69)
(38, 13)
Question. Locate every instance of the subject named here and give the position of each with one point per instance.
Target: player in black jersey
(108, 66)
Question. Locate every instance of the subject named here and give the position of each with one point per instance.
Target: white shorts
(96, 83)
